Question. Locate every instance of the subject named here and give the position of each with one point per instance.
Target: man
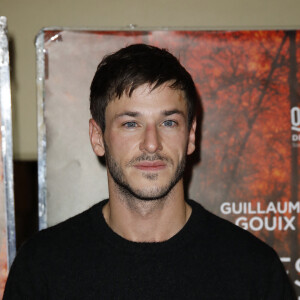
(147, 241)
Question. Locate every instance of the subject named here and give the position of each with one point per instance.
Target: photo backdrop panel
(248, 83)
(7, 222)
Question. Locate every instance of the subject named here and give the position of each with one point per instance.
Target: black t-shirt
(209, 258)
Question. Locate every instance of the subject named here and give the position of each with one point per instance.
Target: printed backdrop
(248, 170)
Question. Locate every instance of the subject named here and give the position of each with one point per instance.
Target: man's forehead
(147, 88)
(161, 99)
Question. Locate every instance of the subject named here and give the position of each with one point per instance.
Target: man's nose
(151, 142)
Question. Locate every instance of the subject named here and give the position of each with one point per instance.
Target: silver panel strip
(40, 80)
(6, 134)
(136, 27)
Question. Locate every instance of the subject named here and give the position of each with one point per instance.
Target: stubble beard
(156, 193)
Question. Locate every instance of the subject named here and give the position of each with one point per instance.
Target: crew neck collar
(179, 240)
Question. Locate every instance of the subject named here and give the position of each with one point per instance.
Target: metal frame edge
(40, 81)
(6, 136)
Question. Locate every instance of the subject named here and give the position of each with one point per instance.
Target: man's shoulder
(52, 253)
(239, 257)
(65, 235)
(230, 238)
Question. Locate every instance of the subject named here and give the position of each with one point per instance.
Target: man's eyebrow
(137, 114)
(172, 112)
(128, 114)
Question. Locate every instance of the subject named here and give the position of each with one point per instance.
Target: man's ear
(96, 138)
(192, 138)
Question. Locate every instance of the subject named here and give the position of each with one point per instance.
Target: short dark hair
(133, 66)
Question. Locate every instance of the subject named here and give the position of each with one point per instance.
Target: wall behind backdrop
(26, 18)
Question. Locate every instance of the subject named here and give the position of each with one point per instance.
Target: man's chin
(146, 194)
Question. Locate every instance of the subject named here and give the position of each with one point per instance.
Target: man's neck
(147, 221)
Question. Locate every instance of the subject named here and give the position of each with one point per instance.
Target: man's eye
(169, 123)
(130, 124)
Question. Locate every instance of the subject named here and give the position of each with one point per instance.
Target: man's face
(146, 140)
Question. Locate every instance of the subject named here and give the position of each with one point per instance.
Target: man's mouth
(150, 165)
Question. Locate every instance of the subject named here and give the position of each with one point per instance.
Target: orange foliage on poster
(249, 169)
(249, 85)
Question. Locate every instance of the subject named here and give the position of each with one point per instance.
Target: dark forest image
(247, 169)
(248, 82)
